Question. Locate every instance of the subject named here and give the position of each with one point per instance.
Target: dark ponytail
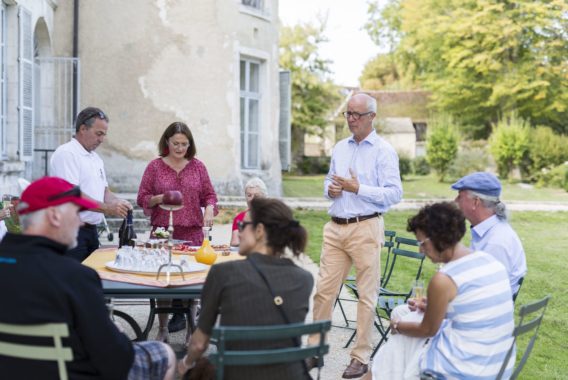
(282, 230)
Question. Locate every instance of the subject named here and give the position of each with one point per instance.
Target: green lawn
(424, 187)
(544, 238)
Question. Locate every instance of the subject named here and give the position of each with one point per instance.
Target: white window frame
(3, 138)
(248, 95)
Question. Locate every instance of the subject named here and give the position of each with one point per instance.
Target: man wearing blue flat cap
(478, 198)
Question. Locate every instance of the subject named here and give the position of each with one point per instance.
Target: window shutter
(25, 101)
(284, 122)
(3, 153)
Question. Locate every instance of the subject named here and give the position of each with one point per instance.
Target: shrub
(546, 150)
(421, 166)
(441, 144)
(404, 165)
(555, 177)
(471, 158)
(509, 143)
(312, 165)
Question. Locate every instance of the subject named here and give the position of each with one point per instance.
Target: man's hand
(334, 190)
(118, 207)
(347, 184)
(419, 305)
(208, 216)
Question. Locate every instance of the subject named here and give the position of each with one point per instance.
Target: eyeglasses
(242, 225)
(421, 243)
(74, 192)
(179, 145)
(355, 115)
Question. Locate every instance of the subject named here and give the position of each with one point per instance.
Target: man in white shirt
(77, 162)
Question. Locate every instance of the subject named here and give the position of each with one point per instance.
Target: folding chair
(518, 290)
(395, 289)
(56, 352)
(522, 328)
(389, 245)
(223, 334)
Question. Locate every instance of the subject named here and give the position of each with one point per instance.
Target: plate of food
(185, 249)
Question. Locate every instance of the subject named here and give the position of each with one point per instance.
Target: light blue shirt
(375, 163)
(498, 238)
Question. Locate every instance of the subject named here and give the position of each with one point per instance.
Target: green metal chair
(56, 352)
(385, 256)
(404, 265)
(223, 334)
(535, 311)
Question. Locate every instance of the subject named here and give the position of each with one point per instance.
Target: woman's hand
(5, 213)
(208, 216)
(156, 200)
(419, 304)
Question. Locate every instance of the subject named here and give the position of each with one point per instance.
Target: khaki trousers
(358, 244)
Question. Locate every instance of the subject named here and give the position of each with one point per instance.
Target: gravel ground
(335, 362)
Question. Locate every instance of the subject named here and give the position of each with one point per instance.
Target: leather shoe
(355, 369)
(312, 362)
(176, 323)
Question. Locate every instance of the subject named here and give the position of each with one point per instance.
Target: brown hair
(281, 228)
(442, 222)
(172, 129)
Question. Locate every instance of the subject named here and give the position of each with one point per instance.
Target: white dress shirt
(72, 162)
(375, 163)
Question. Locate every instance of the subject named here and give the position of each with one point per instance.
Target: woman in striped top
(469, 314)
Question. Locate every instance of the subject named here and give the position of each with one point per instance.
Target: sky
(349, 46)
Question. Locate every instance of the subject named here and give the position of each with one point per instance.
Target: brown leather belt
(355, 219)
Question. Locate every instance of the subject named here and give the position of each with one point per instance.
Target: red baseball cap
(51, 191)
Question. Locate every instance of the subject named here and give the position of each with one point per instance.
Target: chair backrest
(56, 352)
(518, 290)
(223, 334)
(386, 256)
(406, 258)
(535, 312)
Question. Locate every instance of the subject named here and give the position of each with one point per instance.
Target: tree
(482, 58)
(441, 144)
(314, 96)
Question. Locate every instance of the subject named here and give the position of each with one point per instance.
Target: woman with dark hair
(237, 291)
(466, 329)
(178, 169)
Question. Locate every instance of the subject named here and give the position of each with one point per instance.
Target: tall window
(258, 4)
(3, 153)
(250, 113)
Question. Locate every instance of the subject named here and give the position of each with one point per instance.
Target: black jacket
(39, 284)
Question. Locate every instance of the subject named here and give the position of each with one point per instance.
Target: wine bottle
(126, 234)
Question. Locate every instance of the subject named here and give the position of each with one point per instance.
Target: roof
(390, 125)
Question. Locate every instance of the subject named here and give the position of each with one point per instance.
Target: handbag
(203, 370)
(278, 303)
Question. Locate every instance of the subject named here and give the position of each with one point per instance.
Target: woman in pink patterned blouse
(178, 169)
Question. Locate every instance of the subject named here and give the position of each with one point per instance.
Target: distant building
(212, 64)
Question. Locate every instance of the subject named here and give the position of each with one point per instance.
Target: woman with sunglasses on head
(466, 329)
(177, 169)
(237, 291)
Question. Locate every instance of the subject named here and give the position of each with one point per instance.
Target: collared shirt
(375, 163)
(498, 238)
(72, 162)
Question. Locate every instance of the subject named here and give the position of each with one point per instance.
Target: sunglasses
(74, 192)
(242, 225)
(100, 114)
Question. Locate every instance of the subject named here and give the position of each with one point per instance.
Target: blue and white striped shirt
(473, 340)
(375, 163)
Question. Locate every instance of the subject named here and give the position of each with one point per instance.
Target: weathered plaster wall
(148, 63)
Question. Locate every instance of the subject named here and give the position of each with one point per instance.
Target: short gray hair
(30, 219)
(256, 182)
(492, 203)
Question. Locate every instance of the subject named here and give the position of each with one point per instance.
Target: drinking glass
(418, 289)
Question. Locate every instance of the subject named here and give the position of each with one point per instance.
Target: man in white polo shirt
(77, 162)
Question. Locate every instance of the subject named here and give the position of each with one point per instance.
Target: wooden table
(120, 285)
